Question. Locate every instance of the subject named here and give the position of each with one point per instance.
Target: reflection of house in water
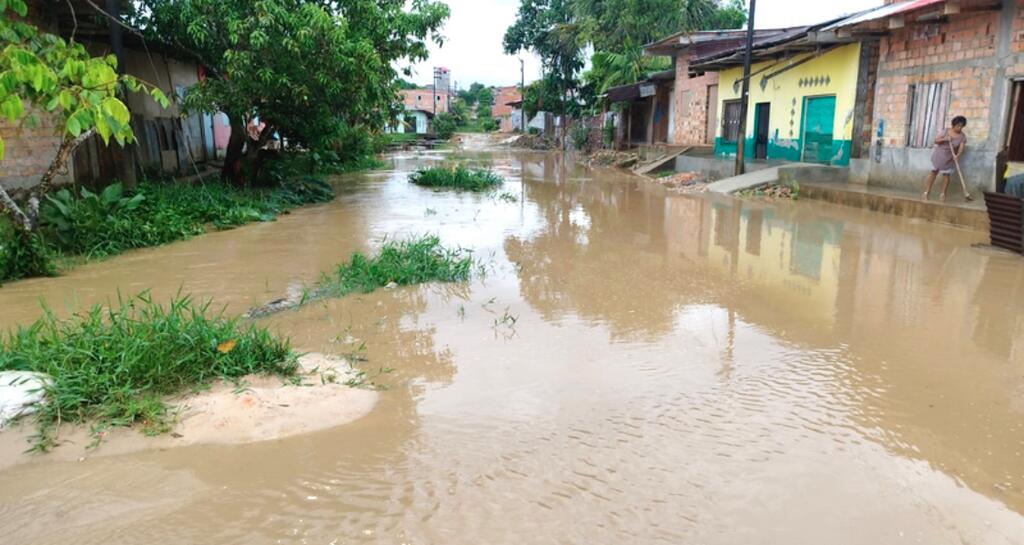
(787, 261)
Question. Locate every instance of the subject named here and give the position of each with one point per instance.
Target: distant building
(505, 101)
(425, 99)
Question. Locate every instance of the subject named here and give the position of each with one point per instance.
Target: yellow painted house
(808, 97)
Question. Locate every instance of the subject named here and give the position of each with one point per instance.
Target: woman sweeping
(949, 146)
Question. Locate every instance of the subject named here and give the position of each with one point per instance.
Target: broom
(960, 173)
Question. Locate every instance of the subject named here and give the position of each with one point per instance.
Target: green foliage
(113, 221)
(608, 133)
(80, 91)
(304, 67)
(23, 255)
(543, 95)
(488, 124)
(580, 134)
(609, 69)
(458, 177)
(116, 366)
(618, 25)
(404, 263)
(472, 95)
(445, 125)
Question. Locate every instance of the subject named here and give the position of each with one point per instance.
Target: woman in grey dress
(949, 146)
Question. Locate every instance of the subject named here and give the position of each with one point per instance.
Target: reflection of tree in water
(601, 254)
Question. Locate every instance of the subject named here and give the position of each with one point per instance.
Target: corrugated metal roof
(881, 13)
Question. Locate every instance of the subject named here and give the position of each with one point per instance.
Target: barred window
(731, 120)
(928, 110)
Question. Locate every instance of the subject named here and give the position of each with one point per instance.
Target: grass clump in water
(458, 177)
(115, 366)
(403, 263)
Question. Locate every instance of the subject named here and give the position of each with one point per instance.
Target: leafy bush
(533, 131)
(156, 213)
(23, 255)
(445, 125)
(580, 134)
(609, 133)
(459, 177)
(405, 263)
(116, 365)
(488, 124)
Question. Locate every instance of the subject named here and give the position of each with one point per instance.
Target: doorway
(762, 115)
(819, 121)
(711, 114)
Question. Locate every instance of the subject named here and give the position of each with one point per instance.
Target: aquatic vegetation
(115, 366)
(458, 177)
(399, 263)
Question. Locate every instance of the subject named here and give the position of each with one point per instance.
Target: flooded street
(635, 367)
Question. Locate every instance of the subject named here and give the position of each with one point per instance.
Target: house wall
(978, 53)
(833, 74)
(690, 108)
(419, 99)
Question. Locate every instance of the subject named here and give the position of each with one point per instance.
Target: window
(928, 109)
(731, 120)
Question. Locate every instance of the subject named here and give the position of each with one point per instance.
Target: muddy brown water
(679, 370)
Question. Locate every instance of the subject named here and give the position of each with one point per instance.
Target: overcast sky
(472, 49)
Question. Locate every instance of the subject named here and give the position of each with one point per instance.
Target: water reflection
(929, 327)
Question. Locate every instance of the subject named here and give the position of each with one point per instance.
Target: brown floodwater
(635, 367)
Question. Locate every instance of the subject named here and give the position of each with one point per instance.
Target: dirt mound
(612, 158)
(532, 142)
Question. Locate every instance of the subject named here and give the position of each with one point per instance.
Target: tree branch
(14, 211)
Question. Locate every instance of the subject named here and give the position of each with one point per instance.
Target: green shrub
(23, 255)
(533, 131)
(459, 177)
(580, 134)
(109, 223)
(445, 125)
(405, 263)
(115, 366)
(489, 124)
(609, 133)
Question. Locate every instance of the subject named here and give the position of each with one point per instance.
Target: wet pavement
(635, 367)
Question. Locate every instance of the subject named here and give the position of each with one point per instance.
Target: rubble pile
(773, 192)
(533, 142)
(685, 182)
(612, 158)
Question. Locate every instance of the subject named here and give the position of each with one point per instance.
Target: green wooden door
(819, 120)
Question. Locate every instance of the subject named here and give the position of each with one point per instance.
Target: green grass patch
(458, 177)
(116, 366)
(404, 263)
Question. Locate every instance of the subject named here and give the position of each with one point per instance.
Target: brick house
(693, 94)
(501, 110)
(938, 59)
(420, 100)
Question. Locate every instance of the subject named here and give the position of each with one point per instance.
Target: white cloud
(787, 13)
(473, 49)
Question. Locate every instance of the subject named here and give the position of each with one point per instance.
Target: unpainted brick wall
(690, 120)
(28, 151)
(932, 52)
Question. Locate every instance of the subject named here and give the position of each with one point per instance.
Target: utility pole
(522, 95)
(745, 94)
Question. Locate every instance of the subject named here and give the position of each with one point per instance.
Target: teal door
(819, 120)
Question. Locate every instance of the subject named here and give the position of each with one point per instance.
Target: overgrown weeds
(23, 255)
(116, 220)
(459, 177)
(115, 366)
(399, 262)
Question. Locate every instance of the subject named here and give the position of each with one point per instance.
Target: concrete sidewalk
(753, 179)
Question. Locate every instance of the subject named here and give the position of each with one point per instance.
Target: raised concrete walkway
(955, 211)
(754, 179)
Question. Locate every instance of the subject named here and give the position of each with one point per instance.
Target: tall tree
(310, 70)
(616, 25)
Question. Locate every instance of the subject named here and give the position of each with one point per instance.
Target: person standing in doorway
(949, 146)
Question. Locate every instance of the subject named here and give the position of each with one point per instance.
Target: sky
(473, 34)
